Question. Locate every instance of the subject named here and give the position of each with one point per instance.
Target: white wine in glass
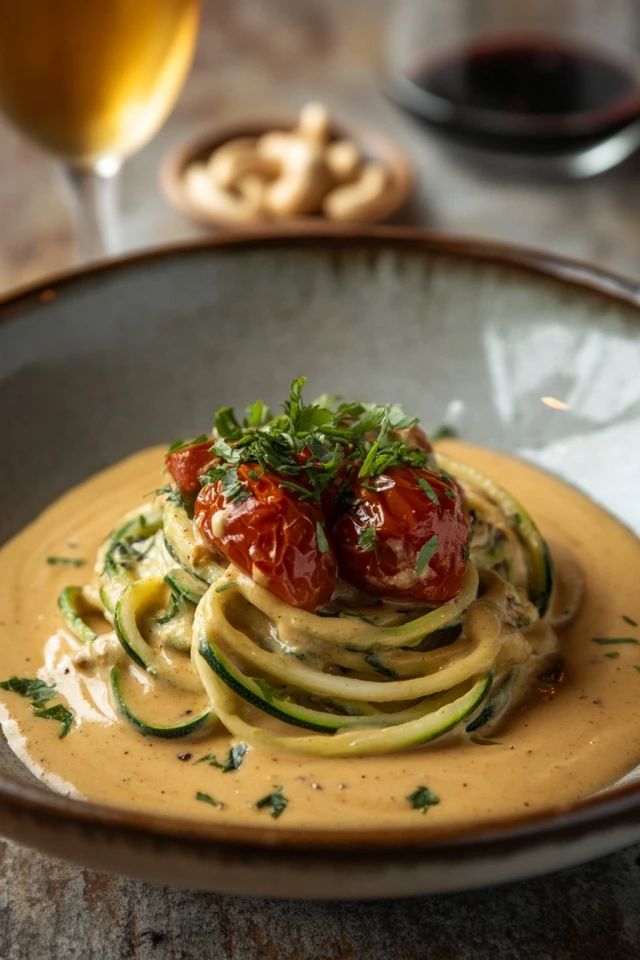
(92, 81)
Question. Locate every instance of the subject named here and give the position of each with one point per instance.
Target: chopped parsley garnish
(367, 538)
(321, 537)
(629, 620)
(443, 432)
(181, 444)
(613, 655)
(40, 693)
(308, 444)
(232, 488)
(172, 611)
(37, 691)
(276, 800)
(374, 661)
(173, 494)
(603, 641)
(426, 488)
(226, 586)
(206, 798)
(233, 761)
(426, 554)
(637, 667)
(57, 712)
(449, 493)
(66, 561)
(423, 798)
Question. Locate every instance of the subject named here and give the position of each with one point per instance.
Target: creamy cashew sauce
(566, 742)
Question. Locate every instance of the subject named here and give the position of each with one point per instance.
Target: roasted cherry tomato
(272, 535)
(187, 464)
(403, 539)
(415, 437)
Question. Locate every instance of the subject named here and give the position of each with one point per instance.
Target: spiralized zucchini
(364, 680)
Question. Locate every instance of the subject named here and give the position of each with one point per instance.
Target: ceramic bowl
(372, 144)
(464, 332)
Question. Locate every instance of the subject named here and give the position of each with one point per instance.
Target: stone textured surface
(66, 913)
(249, 51)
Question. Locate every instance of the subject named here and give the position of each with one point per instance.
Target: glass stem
(93, 197)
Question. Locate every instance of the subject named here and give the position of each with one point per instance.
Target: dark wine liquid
(529, 96)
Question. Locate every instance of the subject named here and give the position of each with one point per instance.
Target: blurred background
(361, 58)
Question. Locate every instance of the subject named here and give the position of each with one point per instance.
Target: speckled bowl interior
(99, 364)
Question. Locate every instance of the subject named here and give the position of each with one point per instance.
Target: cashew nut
(244, 203)
(304, 177)
(361, 200)
(314, 123)
(343, 160)
(236, 159)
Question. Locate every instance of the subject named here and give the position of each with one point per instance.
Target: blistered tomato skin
(186, 466)
(404, 519)
(271, 536)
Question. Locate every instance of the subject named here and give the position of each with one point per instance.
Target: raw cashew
(237, 159)
(314, 123)
(304, 177)
(343, 159)
(245, 202)
(361, 200)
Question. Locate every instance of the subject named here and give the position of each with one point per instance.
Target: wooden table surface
(266, 56)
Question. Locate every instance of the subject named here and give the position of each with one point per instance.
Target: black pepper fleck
(185, 756)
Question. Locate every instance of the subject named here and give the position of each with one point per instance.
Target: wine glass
(550, 82)
(92, 81)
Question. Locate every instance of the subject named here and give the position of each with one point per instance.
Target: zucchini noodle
(364, 677)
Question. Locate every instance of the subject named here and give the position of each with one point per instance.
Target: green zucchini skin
(185, 584)
(169, 732)
(68, 606)
(287, 713)
(124, 636)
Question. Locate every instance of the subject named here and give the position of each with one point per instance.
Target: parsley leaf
(36, 690)
(367, 539)
(321, 537)
(276, 800)
(613, 655)
(426, 554)
(423, 798)
(629, 620)
(235, 758)
(206, 798)
(57, 712)
(426, 488)
(258, 415)
(226, 425)
(66, 561)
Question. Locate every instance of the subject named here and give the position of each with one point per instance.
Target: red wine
(533, 96)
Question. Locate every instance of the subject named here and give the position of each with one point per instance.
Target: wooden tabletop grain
(259, 57)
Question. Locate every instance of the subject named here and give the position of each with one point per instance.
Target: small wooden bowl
(372, 145)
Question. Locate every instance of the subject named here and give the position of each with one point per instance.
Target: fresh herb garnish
(308, 444)
(374, 661)
(426, 554)
(367, 538)
(233, 761)
(423, 798)
(40, 693)
(172, 611)
(276, 800)
(426, 488)
(232, 488)
(173, 494)
(66, 561)
(235, 758)
(57, 712)
(206, 798)
(321, 537)
(226, 586)
(181, 444)
(637, 667)
(442, 432)
(449, 493)
(37, 691)
(629, 620)
(603, 641)
(613, 655)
